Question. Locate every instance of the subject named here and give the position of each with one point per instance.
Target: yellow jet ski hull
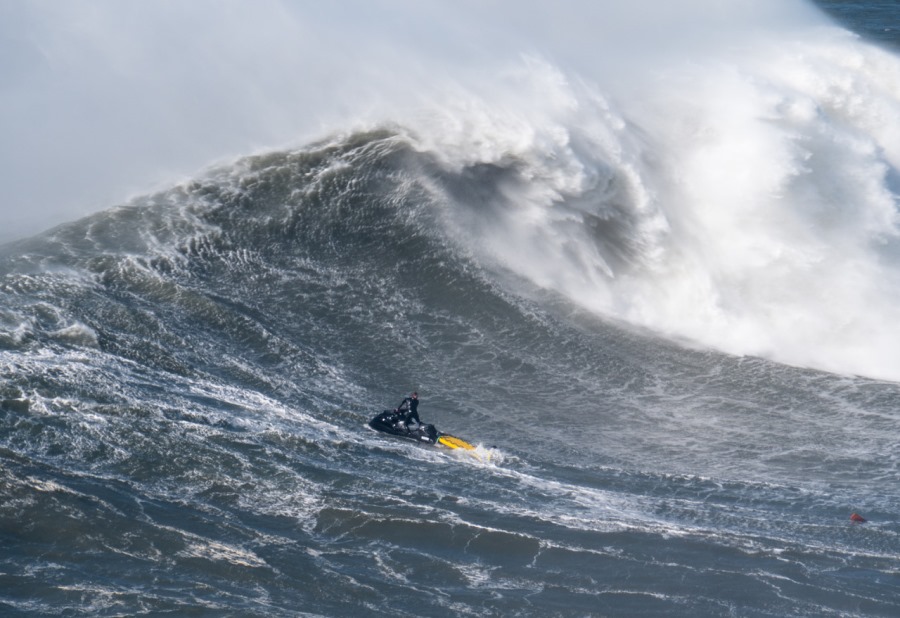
(454, 442)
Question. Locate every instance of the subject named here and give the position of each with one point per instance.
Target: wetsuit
(409, 407)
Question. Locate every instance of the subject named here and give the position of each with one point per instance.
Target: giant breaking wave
(745, 203)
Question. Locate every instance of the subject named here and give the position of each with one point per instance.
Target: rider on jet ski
(409, 409)
(404, 421)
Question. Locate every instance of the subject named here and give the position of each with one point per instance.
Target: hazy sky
(104, 99)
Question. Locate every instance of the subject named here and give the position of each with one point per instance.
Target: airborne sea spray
(744, 202)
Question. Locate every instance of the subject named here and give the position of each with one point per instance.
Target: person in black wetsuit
(409, 409)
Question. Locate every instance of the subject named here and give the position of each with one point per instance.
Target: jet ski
(393, 423)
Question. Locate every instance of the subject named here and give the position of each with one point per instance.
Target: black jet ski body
(393, 423)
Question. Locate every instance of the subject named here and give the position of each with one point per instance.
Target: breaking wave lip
(757, 215)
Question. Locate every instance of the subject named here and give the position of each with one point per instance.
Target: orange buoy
(858, 518)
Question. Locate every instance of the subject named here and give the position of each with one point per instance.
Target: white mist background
(101, 99)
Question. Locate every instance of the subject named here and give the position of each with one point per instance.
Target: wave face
(628, 308)
(200, 365)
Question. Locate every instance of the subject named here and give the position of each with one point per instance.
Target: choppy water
(187, 378)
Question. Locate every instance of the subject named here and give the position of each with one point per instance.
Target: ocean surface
(670, 324)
